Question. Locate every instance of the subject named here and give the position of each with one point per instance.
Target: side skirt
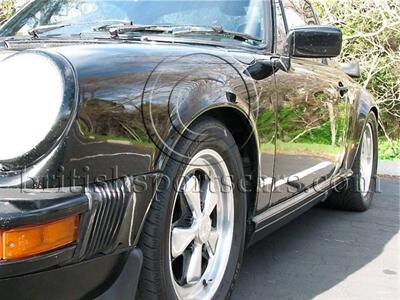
(281, 214)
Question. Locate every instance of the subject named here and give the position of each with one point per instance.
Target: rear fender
(359, 111)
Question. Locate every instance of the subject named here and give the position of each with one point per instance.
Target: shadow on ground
(329, 254)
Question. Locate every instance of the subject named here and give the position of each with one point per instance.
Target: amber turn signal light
(26, 241)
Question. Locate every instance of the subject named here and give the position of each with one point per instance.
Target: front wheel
(193, 238)
(357, 193)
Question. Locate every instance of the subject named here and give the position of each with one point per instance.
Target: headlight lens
(31, 96)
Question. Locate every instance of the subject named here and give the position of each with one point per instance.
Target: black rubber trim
(125, 287)
(84, 280)
(18, 208)
(36, 263)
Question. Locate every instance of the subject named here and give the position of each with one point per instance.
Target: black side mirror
(351, 69)
(308, 42)
(314, 42)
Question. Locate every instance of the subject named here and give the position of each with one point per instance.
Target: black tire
(349, 195)
(155, 280)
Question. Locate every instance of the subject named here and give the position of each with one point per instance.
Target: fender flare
(363, 105)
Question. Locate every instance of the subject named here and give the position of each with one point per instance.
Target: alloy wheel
(367, 160)
(201, 228)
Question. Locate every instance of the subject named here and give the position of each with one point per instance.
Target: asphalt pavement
(329, 255)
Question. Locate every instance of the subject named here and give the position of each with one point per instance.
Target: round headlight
(31, 98)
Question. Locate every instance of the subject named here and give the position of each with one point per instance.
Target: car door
(311, 113)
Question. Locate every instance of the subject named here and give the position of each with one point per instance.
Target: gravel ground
(329, 255)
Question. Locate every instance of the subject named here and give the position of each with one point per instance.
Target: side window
(297, 13)
(280, 29)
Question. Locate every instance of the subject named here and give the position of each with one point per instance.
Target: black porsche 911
(145, 144)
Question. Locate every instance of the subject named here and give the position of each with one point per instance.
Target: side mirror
(314, 42)
(351, 69)
(308, 42)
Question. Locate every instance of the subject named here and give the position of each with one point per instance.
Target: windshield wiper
(107, 27)
(241, 36)
(45, 28)
(116, 30)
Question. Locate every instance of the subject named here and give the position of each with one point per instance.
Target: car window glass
(239, 17)
(280, 29)
(246, 16)
(299, 13)
(79, 12)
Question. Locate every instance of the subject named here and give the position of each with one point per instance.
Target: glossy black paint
(309, 109)
(135, 99)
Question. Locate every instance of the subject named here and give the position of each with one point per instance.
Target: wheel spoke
(192, 195)
(185, 209)
(181, 238)
(370, 150)
(201, 227)
(193, 273)
(212, 242)
(210, 200)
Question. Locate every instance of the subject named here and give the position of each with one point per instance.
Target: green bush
(389, 150)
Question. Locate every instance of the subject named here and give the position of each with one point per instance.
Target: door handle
(343, 89)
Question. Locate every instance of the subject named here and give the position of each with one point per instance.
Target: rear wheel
(358, 192)
(193, 238)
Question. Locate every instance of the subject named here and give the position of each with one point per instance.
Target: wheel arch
(244, 132)
(245, 135)
(361, 108)
(375, 110)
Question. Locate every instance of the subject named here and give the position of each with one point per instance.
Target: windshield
(84, 16)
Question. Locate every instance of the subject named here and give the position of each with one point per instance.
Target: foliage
(7, 9)
(389, 150)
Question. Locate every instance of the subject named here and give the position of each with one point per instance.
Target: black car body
(128, 99)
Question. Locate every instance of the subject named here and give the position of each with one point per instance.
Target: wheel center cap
(204, 229)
